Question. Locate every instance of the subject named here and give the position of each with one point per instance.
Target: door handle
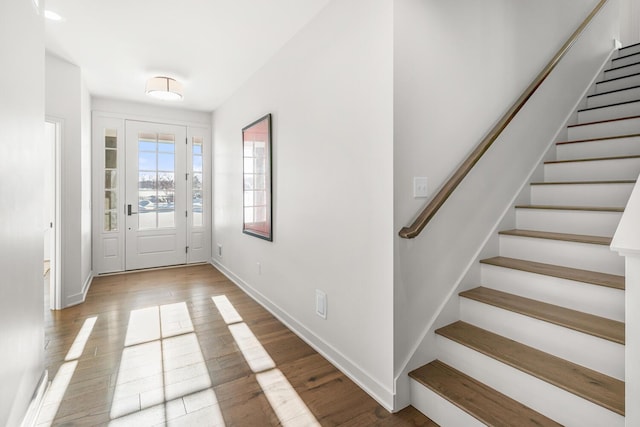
(129, 211)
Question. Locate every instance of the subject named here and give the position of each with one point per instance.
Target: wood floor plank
(584, 276)
(591, 385)
(577, 238)
(583, 322)
(477, 399)
(331, 397)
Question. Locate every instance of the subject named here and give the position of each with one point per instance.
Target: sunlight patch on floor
(81, 339)
(226, 309)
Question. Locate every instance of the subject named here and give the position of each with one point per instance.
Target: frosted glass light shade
(164, 88)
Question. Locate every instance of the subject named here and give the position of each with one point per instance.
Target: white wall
(330, 92)
(140, 111)
(21, 238)
(67, 99)
(458, 66)
(630, 22)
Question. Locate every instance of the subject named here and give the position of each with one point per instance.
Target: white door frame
(55, 274)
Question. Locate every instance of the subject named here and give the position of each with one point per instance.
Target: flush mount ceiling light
(164, 88)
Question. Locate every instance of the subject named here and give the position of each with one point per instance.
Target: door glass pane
(196, 181)
(110, 181)
(156, 181)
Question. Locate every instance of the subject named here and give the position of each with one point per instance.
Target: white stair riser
(615, 84)
(630, 50)
(593, 170)
(602, 148)
(625, 58)
(593, 299)
(604, 129)
(568, 254)
(628, 109)
(555, 403)
(622, 72)
(616, 97)
(612, 194)
(592, 223)
(603, 356)
(439, 409)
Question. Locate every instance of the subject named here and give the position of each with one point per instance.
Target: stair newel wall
(433, 267)
(626, 242)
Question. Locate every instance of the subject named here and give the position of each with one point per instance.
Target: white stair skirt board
(584, 256)
(626, 109)
(557, 404)
(603, 356)
(620, 83)
(627, 126)
(596, 194)
(592, 223)
(593, 299)
(593, 170)
(599, 148)
(440, 410)
(625, 95)
(622, 71)
(626, 58)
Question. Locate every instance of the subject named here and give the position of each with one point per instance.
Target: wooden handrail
(452, 183)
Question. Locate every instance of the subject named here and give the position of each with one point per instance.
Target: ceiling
(211, 46)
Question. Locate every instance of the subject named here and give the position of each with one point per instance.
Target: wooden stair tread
(591, 160)
(598, 388)
(573, 208)
(635, 135)
(615, 104)
(477, 399)
(603, 121)
(601, 327)
(622, 181)
(565, 237)
(584, 276)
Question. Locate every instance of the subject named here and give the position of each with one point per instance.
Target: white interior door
(156, 195)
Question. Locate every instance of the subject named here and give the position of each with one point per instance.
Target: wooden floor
(185, 346)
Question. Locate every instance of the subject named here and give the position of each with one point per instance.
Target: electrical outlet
(219, 250)
(321, 304)
(420, 187)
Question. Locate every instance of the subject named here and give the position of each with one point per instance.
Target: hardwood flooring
(155, 348)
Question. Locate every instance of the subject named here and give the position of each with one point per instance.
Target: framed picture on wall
(256, 152)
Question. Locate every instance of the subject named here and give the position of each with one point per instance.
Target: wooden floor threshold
(593, 386)
(575, 274)
(477, 399)
(564, 237)
(610, 330)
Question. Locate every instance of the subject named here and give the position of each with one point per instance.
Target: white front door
(156, 195)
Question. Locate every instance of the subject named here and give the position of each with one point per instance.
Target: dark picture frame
(256, 182)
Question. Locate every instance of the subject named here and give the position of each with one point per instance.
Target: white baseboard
(377, 391)
(37, 399)
(80, 297)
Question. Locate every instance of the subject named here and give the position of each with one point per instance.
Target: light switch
(321, 304)
(420, 187)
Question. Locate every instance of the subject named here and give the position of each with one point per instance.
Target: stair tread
(477, 399)
(591, 160)
(573, 208)
(621, 67)
(634, 135)
(575, 274)
(617, 78)
(603, 121)
(598, 388)
(613, 104)
(578, 238)
(597, 326)
(622, 181)
(595, 95)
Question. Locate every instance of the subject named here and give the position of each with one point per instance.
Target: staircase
(541, 341)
